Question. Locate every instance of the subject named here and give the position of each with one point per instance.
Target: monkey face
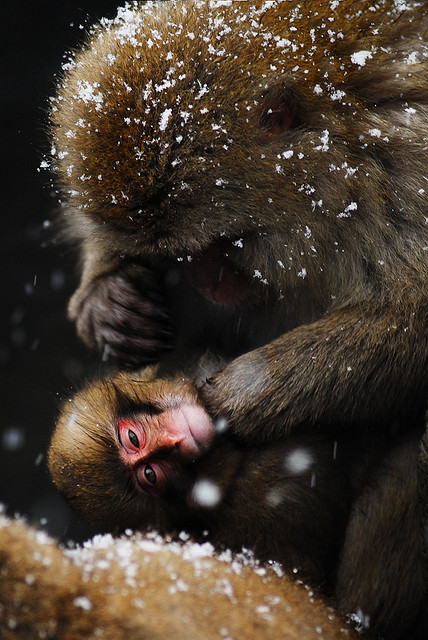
(125, 442)
(155, 444)
(182, 124)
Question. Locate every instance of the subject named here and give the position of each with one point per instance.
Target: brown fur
(390, 541)
(251, 179)
(143, 588)
(296, 516)
(163, 147)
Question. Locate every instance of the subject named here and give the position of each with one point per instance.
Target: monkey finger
(128, 298)
(141, 318)
(134, 348)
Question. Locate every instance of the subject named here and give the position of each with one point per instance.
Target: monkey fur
(304, 501)
(144, 588)
(287, 502)
(250, 178)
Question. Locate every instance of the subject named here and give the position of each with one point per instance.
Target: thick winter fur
(299, 133)
(288, 502)
(250, 177)
(147, 589)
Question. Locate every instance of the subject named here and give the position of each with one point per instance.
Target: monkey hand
(122, 313)
(343, 372)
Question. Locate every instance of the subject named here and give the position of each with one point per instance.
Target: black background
(40, 357)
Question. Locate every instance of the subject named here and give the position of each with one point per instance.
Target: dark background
(40, 358)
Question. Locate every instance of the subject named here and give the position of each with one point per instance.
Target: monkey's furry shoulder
(144, 587)
(257, 170)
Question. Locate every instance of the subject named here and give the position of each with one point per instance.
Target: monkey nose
(171, 442)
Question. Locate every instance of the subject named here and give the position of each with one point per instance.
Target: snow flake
(324, 139)
(258, 274)
(83, 603)
(298, 461)
(287, 154)
(206, 493)
(360, 57)
(88, 93)
(375, 133)
(283, 42)
(346, 213)
(338, 94)
(412, 58)
(163, 120)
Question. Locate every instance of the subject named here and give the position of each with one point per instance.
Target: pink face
(156, 446)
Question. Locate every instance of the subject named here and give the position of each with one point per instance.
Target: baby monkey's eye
(133, 439)
(149, 474)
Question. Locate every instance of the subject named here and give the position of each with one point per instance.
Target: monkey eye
(150, 474)
(275, 121)
(132, 436)
(277, 114)
(152, 478)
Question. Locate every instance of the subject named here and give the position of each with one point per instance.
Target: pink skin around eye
(160, 443)
(126, 428)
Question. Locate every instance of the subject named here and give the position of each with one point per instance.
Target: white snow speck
(206, 493)
(287, 154)
(338, 94)
(13, 438)
(163, 120)
(375, 133)
(88, 93)
(258, 274)
(221, 424)
(324, 138)
(360, 57)
(83, 602)
(413, 58)
(346, 213)
(298, 461)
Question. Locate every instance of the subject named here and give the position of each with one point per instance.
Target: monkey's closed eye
(277, 114)
(275, 121)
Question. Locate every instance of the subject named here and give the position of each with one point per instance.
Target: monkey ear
(276, 115)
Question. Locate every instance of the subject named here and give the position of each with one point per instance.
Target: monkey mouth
(215, 275)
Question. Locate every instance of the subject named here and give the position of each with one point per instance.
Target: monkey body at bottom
(130, 451)
(145, 588)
